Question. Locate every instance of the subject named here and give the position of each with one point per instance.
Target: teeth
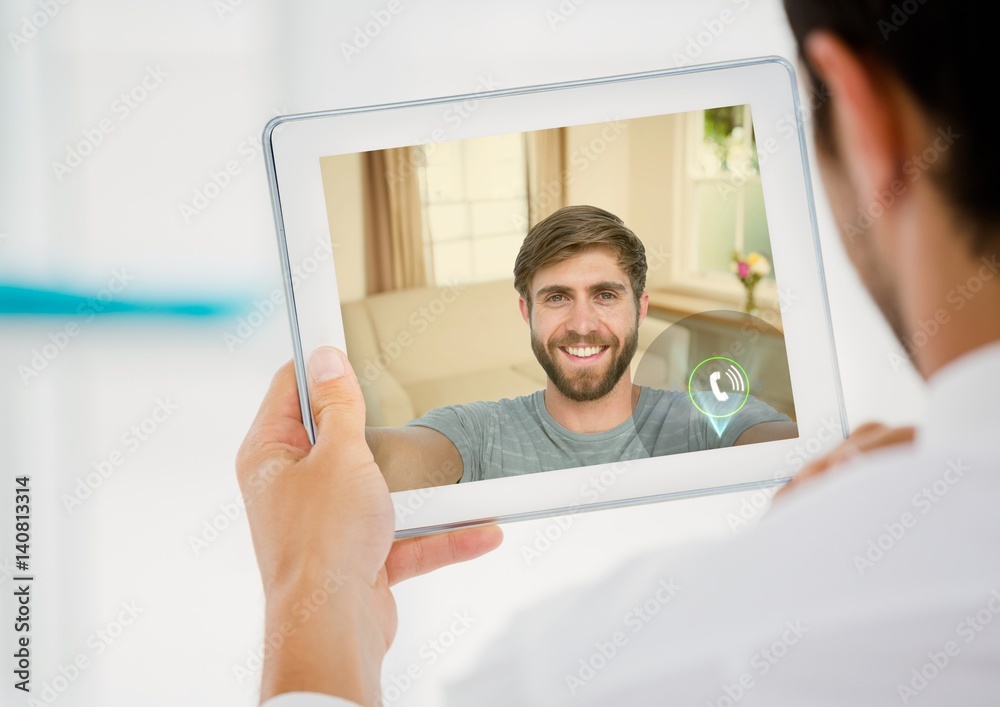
(583, 351)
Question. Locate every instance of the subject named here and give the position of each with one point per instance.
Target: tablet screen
(565, 297)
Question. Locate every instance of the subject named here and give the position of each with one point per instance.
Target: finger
(335, 396)
(863, 437)
(856, 443)
(282, 397)
(814, 469)
(868, 427)
(899, 435)
(871, 439)
(415, 556)
(279, 419)
(866, 438)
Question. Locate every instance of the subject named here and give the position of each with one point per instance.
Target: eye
(607, 296)
(555, 297)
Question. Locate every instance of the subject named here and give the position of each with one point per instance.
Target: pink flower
(742, 269)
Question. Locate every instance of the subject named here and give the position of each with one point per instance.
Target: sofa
(420, 349)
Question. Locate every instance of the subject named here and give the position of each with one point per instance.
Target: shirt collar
(962, 400)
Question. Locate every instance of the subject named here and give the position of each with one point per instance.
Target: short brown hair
(571, 230)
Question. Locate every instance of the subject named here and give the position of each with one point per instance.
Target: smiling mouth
(583, 353)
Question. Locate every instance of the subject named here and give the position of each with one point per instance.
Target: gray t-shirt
(518, 435)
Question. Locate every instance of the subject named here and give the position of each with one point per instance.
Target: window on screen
(474, 194)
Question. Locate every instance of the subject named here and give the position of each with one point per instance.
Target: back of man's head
(939, 51)
(569, 231)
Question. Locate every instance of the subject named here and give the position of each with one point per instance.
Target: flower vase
(750, 306)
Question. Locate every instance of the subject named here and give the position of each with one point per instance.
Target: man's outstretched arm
(768, 431)
(414, 457)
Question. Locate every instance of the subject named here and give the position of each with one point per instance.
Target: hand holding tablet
(579, 334)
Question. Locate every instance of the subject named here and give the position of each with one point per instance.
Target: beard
(878, 282)
(590, 383)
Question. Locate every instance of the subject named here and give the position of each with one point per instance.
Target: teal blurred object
(32, 301)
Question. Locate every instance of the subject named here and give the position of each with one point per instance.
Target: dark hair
(941, 52)
(570, 230)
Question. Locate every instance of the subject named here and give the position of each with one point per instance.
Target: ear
(866, 132)
(525, 313)
(643, 306)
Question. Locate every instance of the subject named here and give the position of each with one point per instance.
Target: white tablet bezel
(294, 144)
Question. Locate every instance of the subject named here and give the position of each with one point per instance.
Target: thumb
(335, 396)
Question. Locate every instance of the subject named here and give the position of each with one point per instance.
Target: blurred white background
(214, 72)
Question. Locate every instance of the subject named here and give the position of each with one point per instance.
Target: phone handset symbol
(723, 383)
(713, 380)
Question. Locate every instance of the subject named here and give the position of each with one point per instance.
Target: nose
(582, 317)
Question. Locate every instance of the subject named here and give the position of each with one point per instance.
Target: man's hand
(322, 524)
(869, 436)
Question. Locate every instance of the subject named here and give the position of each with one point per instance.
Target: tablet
(566, 297)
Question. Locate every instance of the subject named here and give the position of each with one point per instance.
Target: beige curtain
(394, 247)
(546, 162)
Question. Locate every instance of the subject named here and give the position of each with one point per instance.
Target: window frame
(427, 235)
(685, 275)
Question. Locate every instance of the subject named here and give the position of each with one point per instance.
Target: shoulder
(657, 397)
(523, 404)
(515, 408)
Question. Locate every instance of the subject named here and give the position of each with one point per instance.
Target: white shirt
(876, 584)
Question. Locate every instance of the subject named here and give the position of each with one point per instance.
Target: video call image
(561, 298)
